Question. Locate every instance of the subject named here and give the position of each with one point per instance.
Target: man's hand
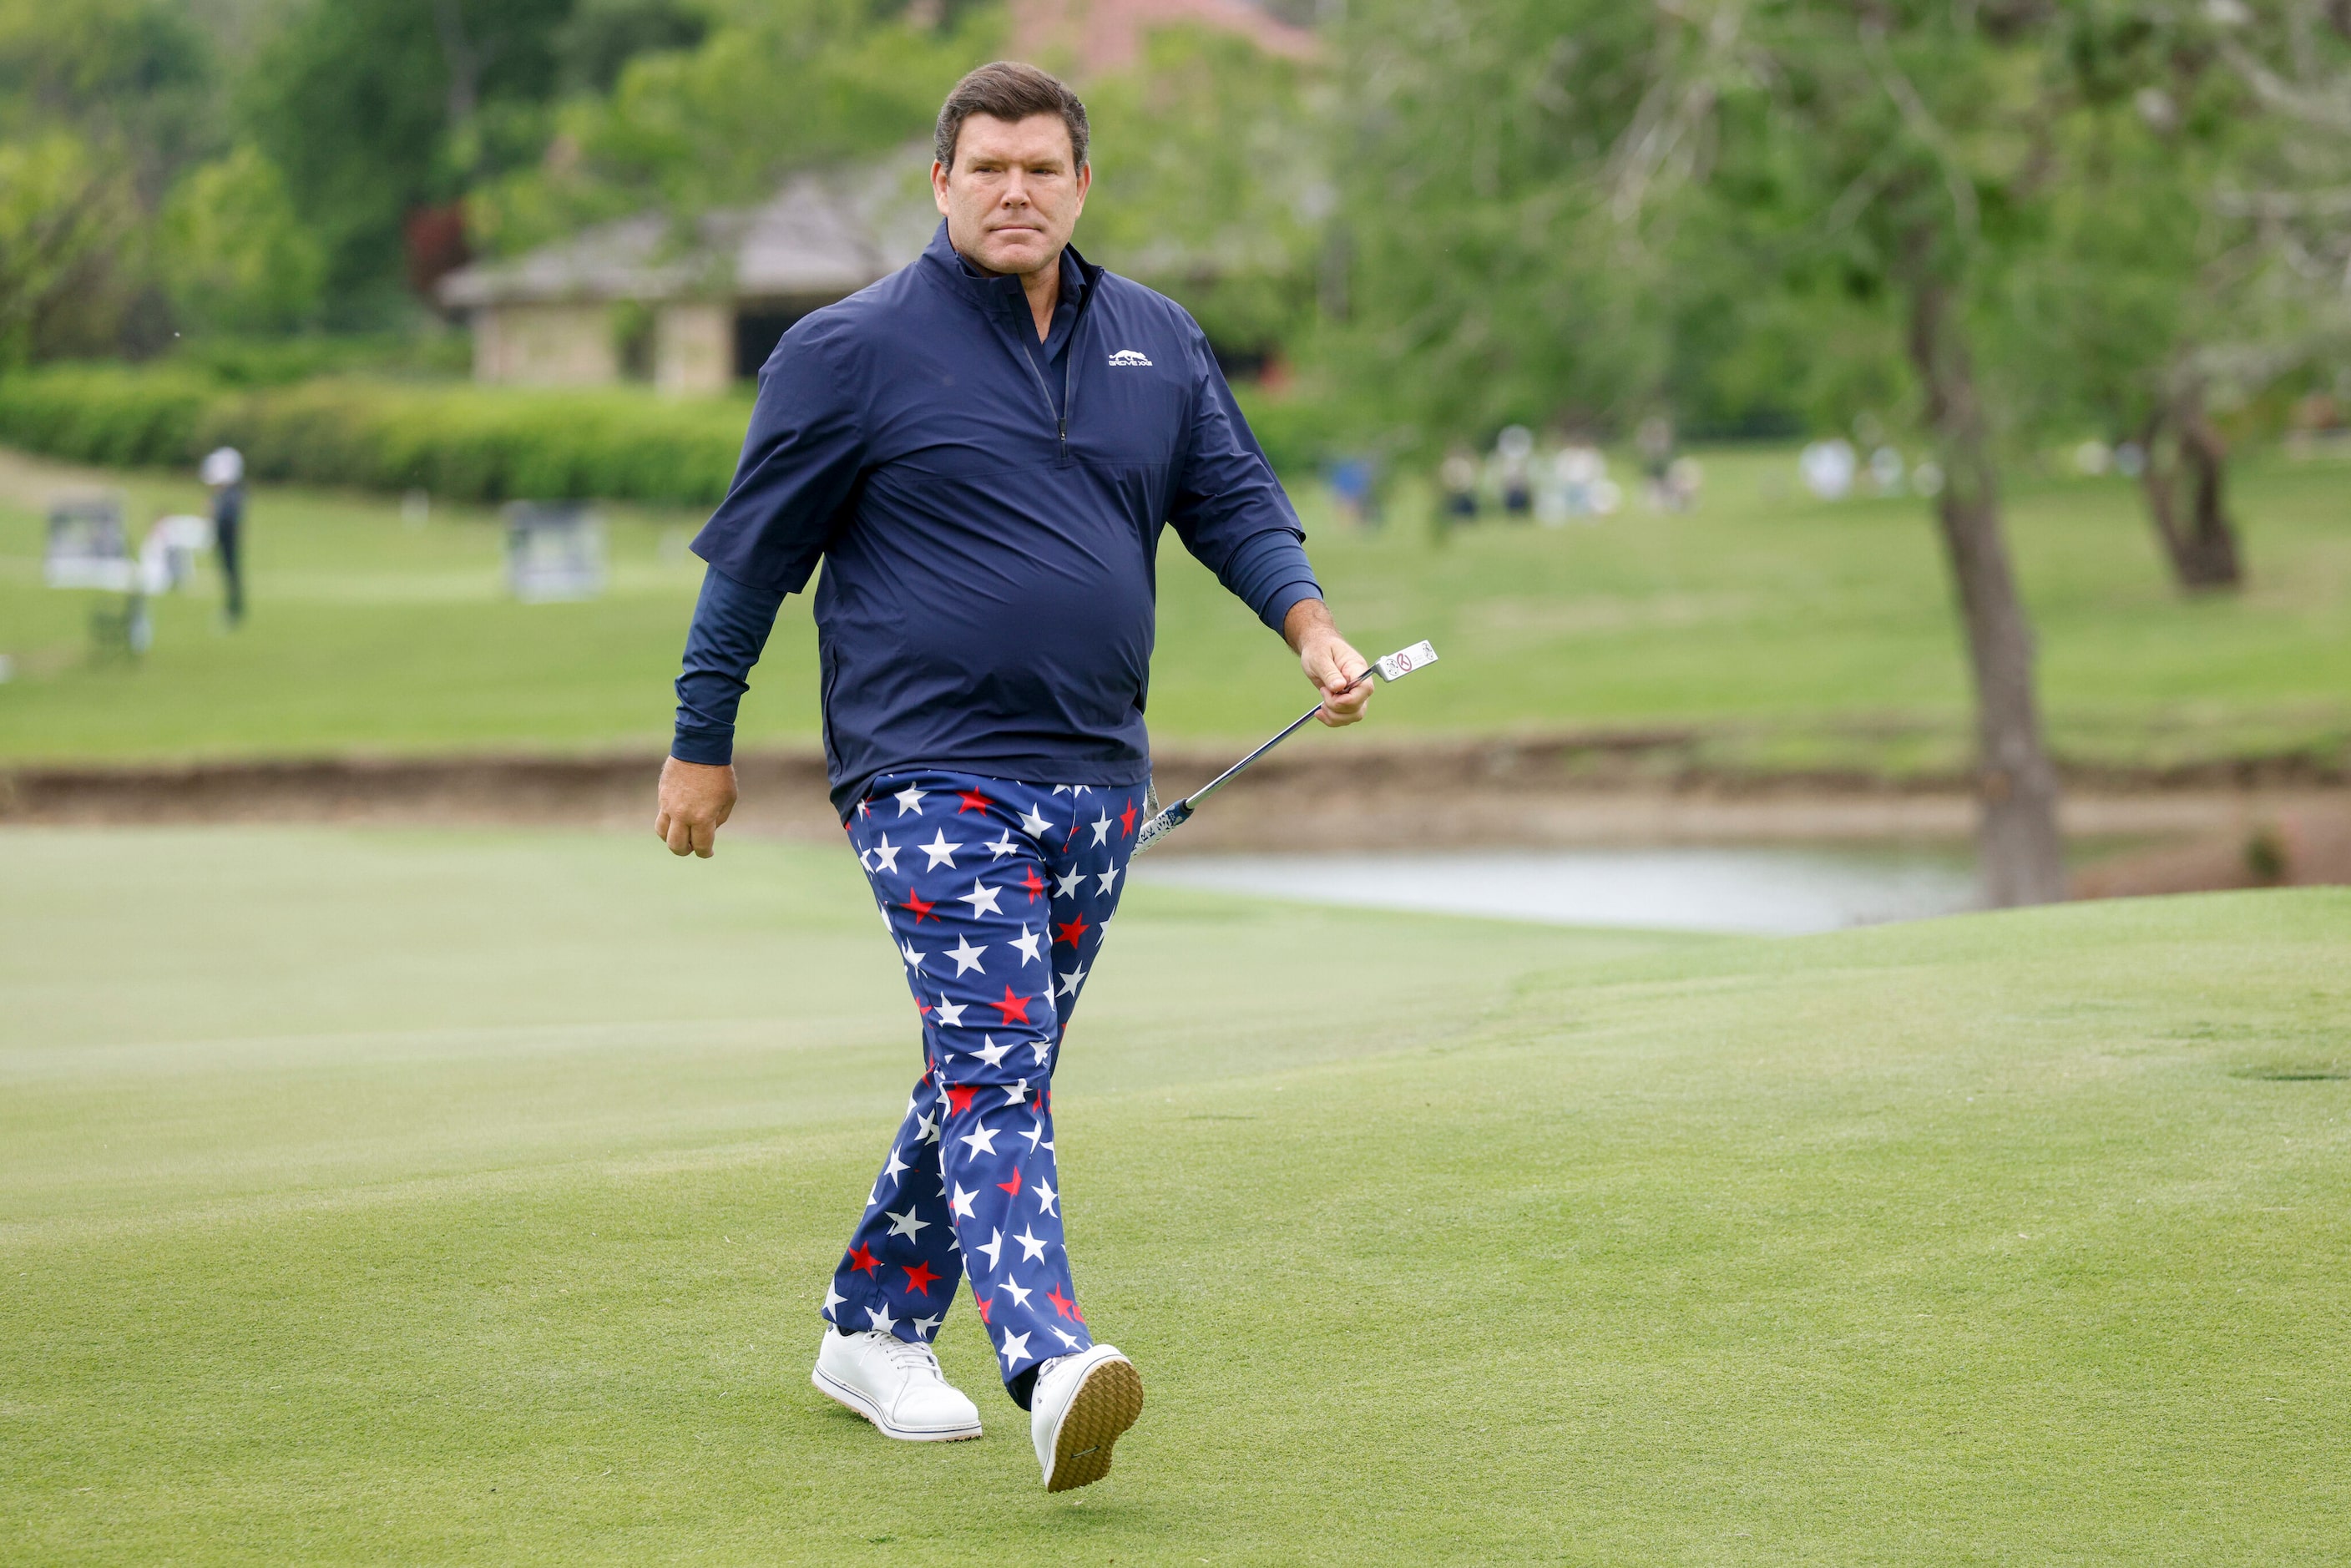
(1327, 662)
(694, 799)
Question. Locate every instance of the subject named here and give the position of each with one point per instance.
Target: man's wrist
(703, 750)
(1308, 619)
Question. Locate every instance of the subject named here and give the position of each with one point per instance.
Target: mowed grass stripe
(1986, 1238)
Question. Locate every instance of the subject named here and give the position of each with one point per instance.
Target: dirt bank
(2195, 828)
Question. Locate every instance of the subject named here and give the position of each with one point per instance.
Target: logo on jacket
(1129, 357)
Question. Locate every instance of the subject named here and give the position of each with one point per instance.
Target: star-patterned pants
(996, 895)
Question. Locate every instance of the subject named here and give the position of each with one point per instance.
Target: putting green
(419, 1197)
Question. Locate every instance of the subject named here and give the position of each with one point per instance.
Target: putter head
(1405, 660)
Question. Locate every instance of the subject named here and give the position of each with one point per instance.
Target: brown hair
(1008, 90)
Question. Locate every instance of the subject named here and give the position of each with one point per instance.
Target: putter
(1395, 667)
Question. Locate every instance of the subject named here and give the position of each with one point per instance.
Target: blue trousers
(996, 895)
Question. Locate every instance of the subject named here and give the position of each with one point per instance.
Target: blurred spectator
(1514, 470)
(1354, 485)
(1655, 441)
(2130, 460)
(1827, 467)
(1885, 467)
(1683, 479)
(224, 473)
(1458, 478)
(2093, 457)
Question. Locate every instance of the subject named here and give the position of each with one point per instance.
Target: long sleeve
(731, 622)
(801, 458)
(1229, 510)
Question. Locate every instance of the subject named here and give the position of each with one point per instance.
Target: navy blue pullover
(987, 509)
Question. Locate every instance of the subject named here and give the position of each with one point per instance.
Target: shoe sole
(841, 1393)
(1103, 1407)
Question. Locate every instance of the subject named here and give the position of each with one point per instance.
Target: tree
(235, 256)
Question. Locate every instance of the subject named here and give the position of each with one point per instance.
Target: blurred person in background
(223, 475)
(1457, 477)
(1514, 471)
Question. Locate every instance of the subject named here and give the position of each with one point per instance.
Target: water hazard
(1775, 892)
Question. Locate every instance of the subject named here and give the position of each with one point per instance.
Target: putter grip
(1174, 817)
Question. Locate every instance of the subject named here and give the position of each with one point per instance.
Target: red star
(1033, 885)
(973, 801)
(1126, 818)
(981, 1302)
(1072, 931)
(919, 1278)
(864, 1262)
(1012, 1186)
(1012, 1008)
(959, 1097)
(1062, 1304)
(922, 1009)
(920, 905)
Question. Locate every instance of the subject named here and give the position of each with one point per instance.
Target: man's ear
(1085, 182)
(939, 186)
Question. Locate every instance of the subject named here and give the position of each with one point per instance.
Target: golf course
(451, 1197)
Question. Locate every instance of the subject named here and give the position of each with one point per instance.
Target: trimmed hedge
(456, 440)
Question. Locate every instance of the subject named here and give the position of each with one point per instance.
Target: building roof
(821, 234)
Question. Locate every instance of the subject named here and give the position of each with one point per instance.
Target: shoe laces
(909, 1355)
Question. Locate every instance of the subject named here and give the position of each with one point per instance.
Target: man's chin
(1022, 255)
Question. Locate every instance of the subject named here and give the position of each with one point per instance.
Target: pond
(1775, 892)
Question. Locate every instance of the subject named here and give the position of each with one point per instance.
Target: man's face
(1012, 198)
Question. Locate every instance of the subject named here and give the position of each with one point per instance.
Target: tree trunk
(2202, 548)
(2016, 785)
(464, 64)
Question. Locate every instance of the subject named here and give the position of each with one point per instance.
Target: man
(983, 448)
(223, 475)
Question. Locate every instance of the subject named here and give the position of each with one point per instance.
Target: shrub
(459, 441)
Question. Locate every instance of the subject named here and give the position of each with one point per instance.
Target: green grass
(1797, 633)
(408, 1197)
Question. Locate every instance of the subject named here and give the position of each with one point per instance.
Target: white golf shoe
(896, 1385)
(1082, 1404)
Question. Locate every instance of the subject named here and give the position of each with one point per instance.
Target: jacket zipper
(1028, 333)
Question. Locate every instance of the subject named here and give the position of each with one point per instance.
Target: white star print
(881, 1319)
(1033, 1132)
(907, 1224)
(926, 1327)
(1107, 878)
(910, 801)
(1068, 1339)
(929, 1129)
(1061, 789)
(1043, 1050)
(885, 856)
(1033, 823)
(981, 899)
(982, 1142)
(1102, 830)
(1016, 1346)
(951, 1013)
(942, 852)
(1046, 1197)
(961, 1203)
(993, 1246)
(864, 809)
(1018, 1094)
(1026, 943)
(1031, 1249)
(896, 1165)
(998, 847)
(1072, 981)
(993, 1053)
(914, 959)
(1020, 1294)
(967, 956)
(1069, 884)
(833, 1298)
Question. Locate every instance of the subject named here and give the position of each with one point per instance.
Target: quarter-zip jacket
(987, 599)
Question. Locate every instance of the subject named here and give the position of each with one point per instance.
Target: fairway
(467, 1198)
(1793, 633)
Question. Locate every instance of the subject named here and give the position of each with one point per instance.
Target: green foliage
(235, 255)
(774, 87)
(63, 215)
(373, 107)
(460, 442)
(1209, 184)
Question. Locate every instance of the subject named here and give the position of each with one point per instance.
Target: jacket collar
(1003, 296)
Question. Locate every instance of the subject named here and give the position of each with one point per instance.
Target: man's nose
(1016, 190)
